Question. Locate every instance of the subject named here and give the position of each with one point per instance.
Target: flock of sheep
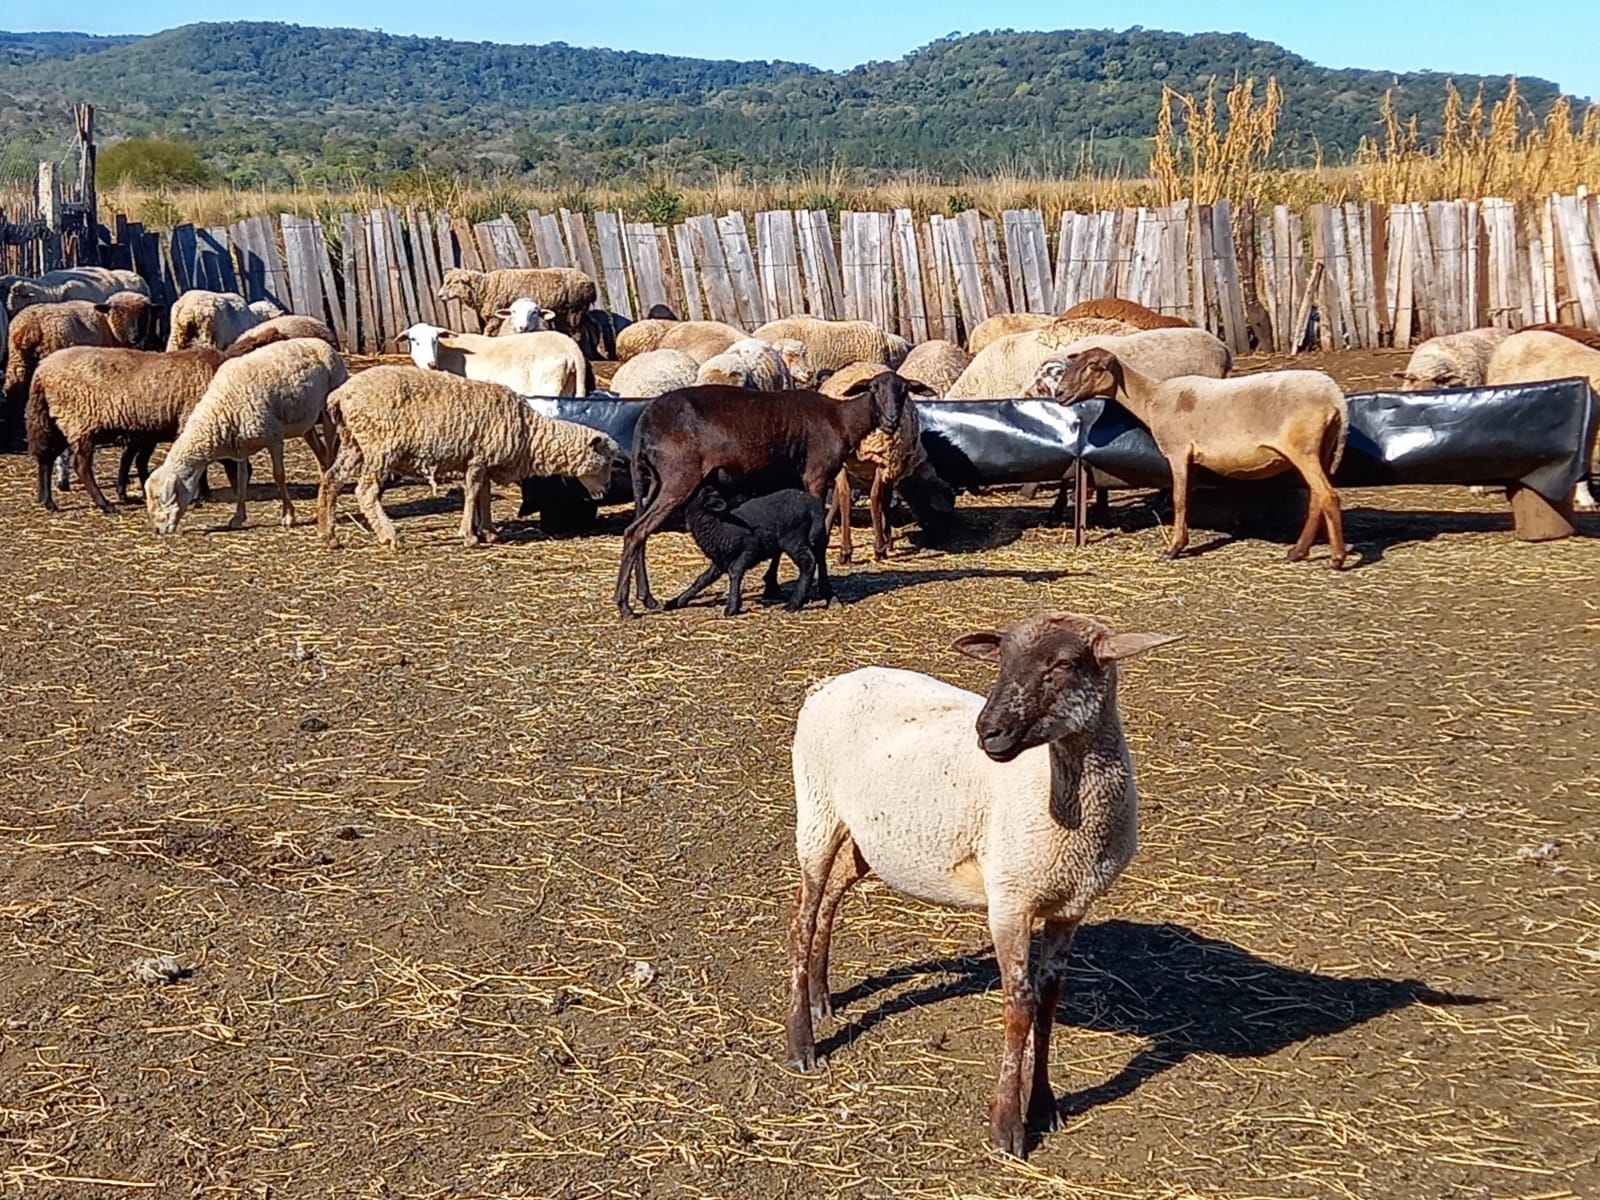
(1022, 803)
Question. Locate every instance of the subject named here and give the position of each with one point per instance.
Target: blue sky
(1553, 39)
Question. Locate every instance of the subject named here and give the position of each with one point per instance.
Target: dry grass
(411, 820)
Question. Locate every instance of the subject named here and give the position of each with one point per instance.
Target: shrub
(150, 162)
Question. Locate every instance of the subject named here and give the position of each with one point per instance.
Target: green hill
(271, 103)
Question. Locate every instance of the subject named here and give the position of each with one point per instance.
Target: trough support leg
(1535, 519)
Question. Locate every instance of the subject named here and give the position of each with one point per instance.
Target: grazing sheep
(836, 344)
(85, 396)
(1248, 427)
(202, 318)
(797, 358)
(759, 530)
(1118, 309)
(566, 291)
(1021, 805)
(255, 402)
(395, 421)
(524, 316)
(530, 364)
(1535, 355)
(992, 329)
(654, 373)
(748, 363)
(936, 364)
(1451, 360)
(93, 284)
(884, 459)
(39, 330)
(642, 337)
(684, 436)
(1005, 369)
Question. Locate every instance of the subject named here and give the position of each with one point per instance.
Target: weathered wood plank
(357, 327)
(693, 307)
(721, 304)
(613, 263)
(741, 262)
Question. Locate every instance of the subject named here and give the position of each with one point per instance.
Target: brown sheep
(126, 319)
(567, 292)
(884, 458)
(700, 340)
(1118, 309)
(1247, 427)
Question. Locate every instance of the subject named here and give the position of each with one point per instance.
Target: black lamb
(736, 538)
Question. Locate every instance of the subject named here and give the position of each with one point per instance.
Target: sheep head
(527, 316)
(130, 317)
(22, 293)
(461, 284)
(167, 496)
(1078, 376)
(424, 341)
(797, 358)
(595, 471)
(1057, 679)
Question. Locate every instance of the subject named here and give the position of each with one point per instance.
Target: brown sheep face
(1083, 376)
(131, 318)
(889, 399)
(1056, 679)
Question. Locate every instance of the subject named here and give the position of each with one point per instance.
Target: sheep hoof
(822, 1009)
(1296, 554)
(1336, 563)
(1009, 1138)
(1042, 1115)
(287, 520)
(626, 612)
(803, 1058)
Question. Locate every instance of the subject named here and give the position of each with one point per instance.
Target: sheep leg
(839, 510)
(704, 580)
(877, 505)
(801, 554)
(736, 570)
(800, 1034)
(275, 451)
(472, 484)
(241, 492)
(486, 528)
(663, 504)
(1321, 509)
(769, 582)
(1050, 977)
(131, 454)
(47, 465)
(819, 553)
(1012, 933)
(1180, 502)
(849, 869)
(83, 464)
(345, 464)
(367, 488)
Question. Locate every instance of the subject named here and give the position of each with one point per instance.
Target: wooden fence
(1339, 276)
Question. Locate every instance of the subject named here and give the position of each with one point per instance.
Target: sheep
(202, 318)
(255, 402)
(1451, 360)
(699, 339)
(1248, 427)
(93, 284)
(282, 329)
(936, 364)
(797, 358)
(758, 530)
(835, 344)
(84, 396)
(1129, 311)
(530, 364)
(1063, 331)
(748, 363)
(1584, 337)
(126, 319)
(1537, 354)
(642, 337)
(1005, 369)
(566, 291)
(884, 458)
(654, 373)
(683, 436)
(992, 329)
(524, 316)
(1031, 819)
(598, 332)
(395, 421)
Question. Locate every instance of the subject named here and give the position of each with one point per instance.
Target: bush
(150, 162)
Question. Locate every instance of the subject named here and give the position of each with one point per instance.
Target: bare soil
(475, 890)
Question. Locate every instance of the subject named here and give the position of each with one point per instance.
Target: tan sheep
(1537, 355)
(397, 421)
(1248, 427)
(203, 318)
(992, 329)
(654, 373)
(1451, 360)
(94, 284)
(255, 402)
(1005, 369)
(936, 364)
(282, 329)
(642, 337)
(566, 291)
(883, 458)
(1063, 331)
(749, 363)
(698, 339)
(1129, 311)
(546, 363)
(836, 344)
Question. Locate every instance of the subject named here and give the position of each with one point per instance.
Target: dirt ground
(475, 890)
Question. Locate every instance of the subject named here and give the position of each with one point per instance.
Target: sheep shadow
(853, 586)
(1183, 992)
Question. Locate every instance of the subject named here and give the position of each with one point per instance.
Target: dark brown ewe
(780, 438)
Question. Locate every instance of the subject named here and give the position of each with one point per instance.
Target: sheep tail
(1338, 433)
(641, 476)
(44, 435)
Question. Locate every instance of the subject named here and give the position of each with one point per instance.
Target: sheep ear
(502, 313)
(984, 646)
(102, 308)
(1113, 647)
(548, 314)
(1400, 375)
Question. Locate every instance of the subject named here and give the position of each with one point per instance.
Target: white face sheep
(530, 364)
(1022, 804)
(525, 316)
